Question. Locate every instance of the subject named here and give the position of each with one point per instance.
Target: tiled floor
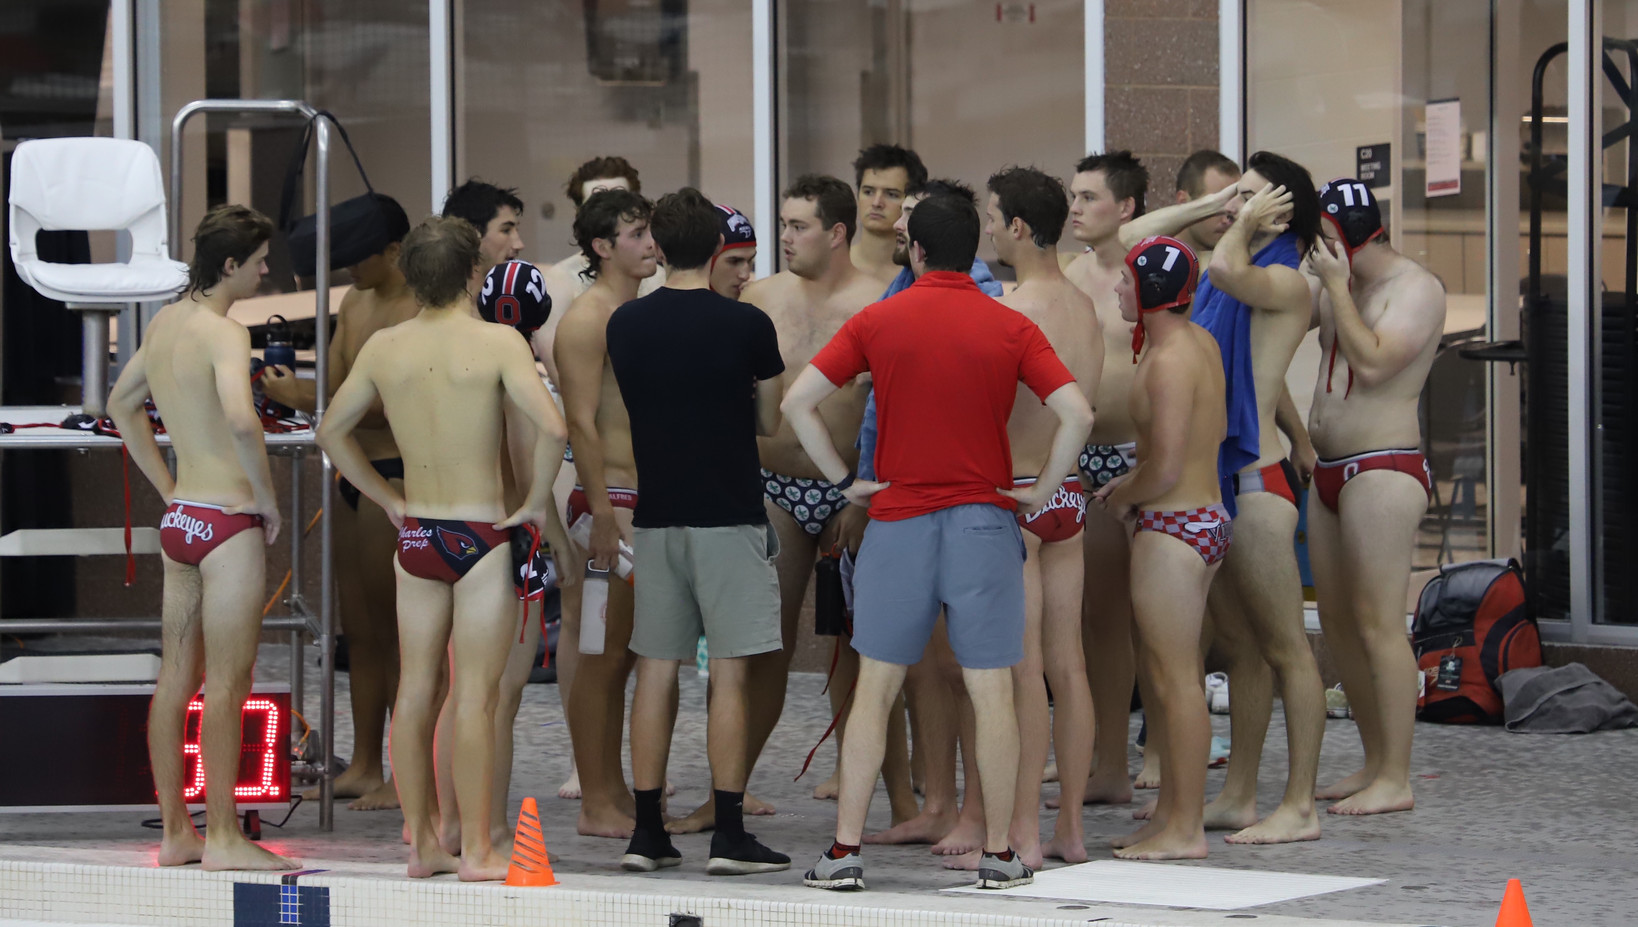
(1557, 812)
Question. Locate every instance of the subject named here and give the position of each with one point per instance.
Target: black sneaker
(995, 872)
(744, 856)
(647, 853)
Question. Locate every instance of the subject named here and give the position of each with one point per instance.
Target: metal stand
(94, 354)
(324, 632)
(95, 329)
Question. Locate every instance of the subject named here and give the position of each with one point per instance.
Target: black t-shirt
(687, 362)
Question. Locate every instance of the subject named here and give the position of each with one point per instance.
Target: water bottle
(580, 533)
(594, 607)
(281, 348)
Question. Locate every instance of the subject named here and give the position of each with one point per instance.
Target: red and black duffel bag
(1473, 623)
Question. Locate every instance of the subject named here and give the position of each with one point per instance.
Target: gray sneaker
(994, 872)
(838, 875)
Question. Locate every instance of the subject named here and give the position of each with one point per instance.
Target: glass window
(1365, 98)
(364, 60)
(972, 87)
(545, 86)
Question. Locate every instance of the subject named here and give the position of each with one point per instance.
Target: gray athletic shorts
(719, 582)
(968, 559)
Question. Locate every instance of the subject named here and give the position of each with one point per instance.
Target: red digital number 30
(261, 785)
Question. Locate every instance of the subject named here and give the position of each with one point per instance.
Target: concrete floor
(1556, 811)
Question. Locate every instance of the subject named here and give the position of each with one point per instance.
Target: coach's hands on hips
(850, 527)
(860, 492)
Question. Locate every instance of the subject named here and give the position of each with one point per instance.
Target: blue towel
(1229, 321)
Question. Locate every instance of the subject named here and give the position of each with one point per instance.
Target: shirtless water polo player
(1172, 501)
(221, 509)
(442, 377)
(1381, 316)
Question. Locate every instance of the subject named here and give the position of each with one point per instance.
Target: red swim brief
(1277, 478)
(579, 505)
(1207, 530)
(1331, 475)
(445, 549)
(190, 530)
(1062, 517)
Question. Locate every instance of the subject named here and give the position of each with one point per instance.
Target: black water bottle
(829, 609)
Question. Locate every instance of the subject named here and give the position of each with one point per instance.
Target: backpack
(1473, 623)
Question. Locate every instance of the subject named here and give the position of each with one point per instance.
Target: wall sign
(1444, 140)
(1373, 165)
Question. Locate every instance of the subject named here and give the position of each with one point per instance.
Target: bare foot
(1229, 815)
(1346, 787)
(608, 824)
(179, 851)
(965, 838)
(1285, 825)
(923, 828)
(1050, 774)
(1099, 793)
(1147, 811)
(1377, 798)
(404, 834)
(491, 869)
(1137, 836)
(236, 853)
(450, 838)
(1069, 847)
(1149, 776)
(1166, 845)
(570, 789)
(828, 789)
(433, 861)
(355, 782)
(966, 862)
(670, 789)
(1030, 851)
(383, 797)
(1111, 790)
(704, 817)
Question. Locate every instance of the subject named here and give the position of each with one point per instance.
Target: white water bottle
(580, 533)
(594, 607)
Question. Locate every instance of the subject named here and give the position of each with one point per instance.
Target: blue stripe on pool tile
(283, 905)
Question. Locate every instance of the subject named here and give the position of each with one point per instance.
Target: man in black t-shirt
(699, 374)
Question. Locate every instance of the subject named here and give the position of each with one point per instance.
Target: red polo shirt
(946, 361)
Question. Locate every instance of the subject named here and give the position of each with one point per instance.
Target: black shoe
(744, 856)
(648, 852)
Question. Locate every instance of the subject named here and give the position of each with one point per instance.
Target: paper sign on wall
(1444, 144)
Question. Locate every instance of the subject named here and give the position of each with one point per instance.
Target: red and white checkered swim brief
(1207, 530)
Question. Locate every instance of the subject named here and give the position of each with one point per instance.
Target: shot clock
(85, 748)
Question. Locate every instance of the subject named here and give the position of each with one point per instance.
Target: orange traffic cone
(530, 866)
(1514, 912)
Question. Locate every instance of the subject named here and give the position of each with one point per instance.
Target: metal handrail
(321, 319)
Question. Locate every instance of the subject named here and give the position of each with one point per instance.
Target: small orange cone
(530, 866)
(1514, 912)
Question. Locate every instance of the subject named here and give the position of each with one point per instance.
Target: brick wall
(1160, 74)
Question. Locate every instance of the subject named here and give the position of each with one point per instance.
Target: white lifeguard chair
(93, 184)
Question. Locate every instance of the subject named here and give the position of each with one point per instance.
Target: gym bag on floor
(1473, 623)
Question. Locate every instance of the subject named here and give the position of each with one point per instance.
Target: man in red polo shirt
(947, 361)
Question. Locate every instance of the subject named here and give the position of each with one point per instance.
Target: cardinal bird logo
(456, 544)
